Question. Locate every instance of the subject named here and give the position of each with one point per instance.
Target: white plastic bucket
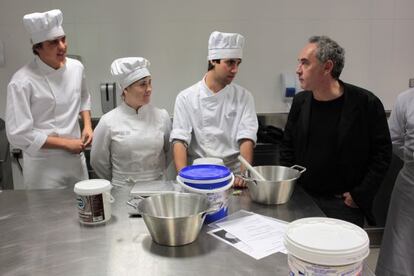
(94, 201)
(325, 246)
(208, 160)
(217, 197)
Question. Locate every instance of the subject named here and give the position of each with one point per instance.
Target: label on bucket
(91, 208)
(217, 199)
(299, 267)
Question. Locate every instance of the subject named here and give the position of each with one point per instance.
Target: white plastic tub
(94, 201)
(325, 246)
(208, 160)
(217, 197)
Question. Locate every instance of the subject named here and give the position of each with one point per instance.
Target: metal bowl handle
(213, 209)
(133, 202)
(246, 178)
(299, 168)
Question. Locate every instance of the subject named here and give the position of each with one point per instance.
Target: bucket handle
(111, 198)
(299, 168)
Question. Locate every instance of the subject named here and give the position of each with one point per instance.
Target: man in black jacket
(337, 131)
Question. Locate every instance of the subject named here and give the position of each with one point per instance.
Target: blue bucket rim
(208, 172)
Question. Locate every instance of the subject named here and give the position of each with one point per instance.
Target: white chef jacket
(212, 124)
(129, 147)
(42, 101)
(401, 124)
(397, 248)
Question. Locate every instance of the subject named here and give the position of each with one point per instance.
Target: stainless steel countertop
(40, 235)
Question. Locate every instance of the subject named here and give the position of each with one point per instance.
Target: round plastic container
(208, 160)
(94, 201)
(211, 180)
(325, 246)
(205, 176)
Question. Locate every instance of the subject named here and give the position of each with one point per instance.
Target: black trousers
(335, 207)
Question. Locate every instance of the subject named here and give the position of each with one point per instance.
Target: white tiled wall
(376, 34)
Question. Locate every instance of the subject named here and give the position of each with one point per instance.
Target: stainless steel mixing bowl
(174, 219)
(278, 186)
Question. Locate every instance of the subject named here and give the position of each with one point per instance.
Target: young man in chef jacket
(216, 117)
(44, 101)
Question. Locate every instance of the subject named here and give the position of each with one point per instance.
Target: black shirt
(321, 150)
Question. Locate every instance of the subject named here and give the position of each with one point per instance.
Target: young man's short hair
(210, 65)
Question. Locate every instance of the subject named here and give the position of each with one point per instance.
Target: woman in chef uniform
(131, 142)
(44, 101)
(397, 249)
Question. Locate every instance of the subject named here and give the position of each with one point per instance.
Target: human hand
(87, 135)
(75, 146)
(348, 200)
(239, 182)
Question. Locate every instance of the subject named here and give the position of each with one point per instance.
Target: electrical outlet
(411, 83)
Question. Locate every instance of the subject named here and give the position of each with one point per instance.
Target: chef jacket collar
(132, 111)
(208, 92)
(46, 69)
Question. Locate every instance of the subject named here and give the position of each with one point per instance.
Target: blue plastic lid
(204, 172)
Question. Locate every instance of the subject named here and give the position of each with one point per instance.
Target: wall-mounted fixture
(77, 57)
(290, 85)
(108, 96)
(411, 83)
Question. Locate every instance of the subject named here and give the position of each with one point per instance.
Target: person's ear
(328, 67)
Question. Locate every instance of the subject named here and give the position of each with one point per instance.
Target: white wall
(376, 34)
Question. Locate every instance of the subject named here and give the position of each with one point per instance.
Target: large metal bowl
(174, 219)
(279, 184)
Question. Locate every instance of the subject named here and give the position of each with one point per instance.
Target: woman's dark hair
(35, 47)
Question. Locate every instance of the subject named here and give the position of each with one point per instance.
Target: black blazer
(364, 143)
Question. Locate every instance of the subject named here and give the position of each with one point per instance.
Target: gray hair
(328, 49)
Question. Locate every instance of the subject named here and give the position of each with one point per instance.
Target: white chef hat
(128, 70)
(44, 26)
(225, 45)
